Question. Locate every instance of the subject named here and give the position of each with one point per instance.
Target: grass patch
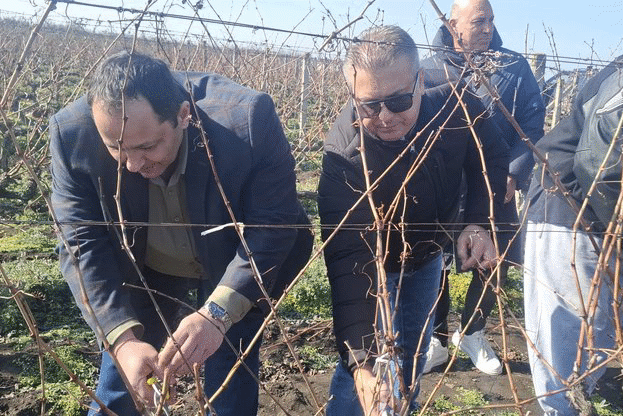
(311, 297)
(45, 292)
(604, 408)
(32, 239)
(512, 291)
(70, 355)
(313, 358)
(471, 398)
(444, 404)
(459, 283)
(463, 399)
(74, 348)
(63, 397)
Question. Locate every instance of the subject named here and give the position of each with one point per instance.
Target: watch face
(220, 314)
(216, 311)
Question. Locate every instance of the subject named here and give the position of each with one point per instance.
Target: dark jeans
(112, 391)
(410, 314)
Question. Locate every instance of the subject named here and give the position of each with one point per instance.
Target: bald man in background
(511, 76)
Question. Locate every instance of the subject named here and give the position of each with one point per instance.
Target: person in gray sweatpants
(565, 278)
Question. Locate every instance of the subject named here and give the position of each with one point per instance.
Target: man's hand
(511, 187)
(138, 360)
(475, 248)
(198, 337)
(369, 391)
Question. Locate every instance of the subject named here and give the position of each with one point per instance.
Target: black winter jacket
(432, 197)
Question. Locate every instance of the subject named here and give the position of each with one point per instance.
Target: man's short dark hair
(132, 76)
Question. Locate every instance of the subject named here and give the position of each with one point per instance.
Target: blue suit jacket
(255, 168)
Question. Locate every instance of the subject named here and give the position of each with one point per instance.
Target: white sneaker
(480, 352)
(436, 355)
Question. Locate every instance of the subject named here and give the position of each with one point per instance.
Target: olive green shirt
(170, 244)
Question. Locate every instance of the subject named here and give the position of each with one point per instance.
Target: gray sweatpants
(553, 310)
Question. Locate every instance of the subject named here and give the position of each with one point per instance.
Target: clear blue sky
(520, 22)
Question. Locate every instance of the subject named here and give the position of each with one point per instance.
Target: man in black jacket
(410, 148)
(509, 74)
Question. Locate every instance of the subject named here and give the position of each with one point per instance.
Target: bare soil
(294, 396)
(285, 390)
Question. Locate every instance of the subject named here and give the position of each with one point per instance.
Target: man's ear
(452, 23)
(456, 41)
(184, 116)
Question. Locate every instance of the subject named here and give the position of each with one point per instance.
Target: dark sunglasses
(395, 104)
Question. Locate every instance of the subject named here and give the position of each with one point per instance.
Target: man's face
(149, 146)
(397, 81)
(474, 25)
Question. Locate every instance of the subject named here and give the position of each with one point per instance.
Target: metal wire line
(120, 9)
(346, 227)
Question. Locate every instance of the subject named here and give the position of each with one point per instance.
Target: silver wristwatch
(219, 313)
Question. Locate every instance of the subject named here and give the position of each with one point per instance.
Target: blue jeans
(552, 305)
(416, 300)
(112, 391)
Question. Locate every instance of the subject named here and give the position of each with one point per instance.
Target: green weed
(311, 297)
(471, 398)
(45, 292)
(63, 397)
(315, 359)
(444, 404)
(308, 183)
(512, 291)
(604, 408)
(69, 355)
(32, 239)
(459, 283)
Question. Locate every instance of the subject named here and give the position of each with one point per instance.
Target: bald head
(459, 6)
(472, 20)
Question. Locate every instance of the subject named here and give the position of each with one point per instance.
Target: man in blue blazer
(170, 156)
